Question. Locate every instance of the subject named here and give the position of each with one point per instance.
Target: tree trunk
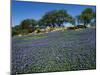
(85, 24)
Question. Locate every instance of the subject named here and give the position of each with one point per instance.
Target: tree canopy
(55, 18)
(28, 24)
(86, 16)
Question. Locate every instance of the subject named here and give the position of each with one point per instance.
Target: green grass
(34, 37)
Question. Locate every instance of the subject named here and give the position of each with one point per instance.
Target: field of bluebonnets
(66, 50)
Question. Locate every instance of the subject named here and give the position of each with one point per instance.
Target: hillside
(54, 51)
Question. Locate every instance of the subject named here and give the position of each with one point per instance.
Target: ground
(66, 50)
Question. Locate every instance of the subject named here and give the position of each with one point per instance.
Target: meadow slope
(54, 51)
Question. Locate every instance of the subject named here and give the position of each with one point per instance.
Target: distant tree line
(55, 18)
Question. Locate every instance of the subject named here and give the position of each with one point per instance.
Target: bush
(81, 26)
(24, 32)
(16, 30)
(71, 28)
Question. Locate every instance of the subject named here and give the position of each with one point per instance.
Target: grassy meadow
(66, 50)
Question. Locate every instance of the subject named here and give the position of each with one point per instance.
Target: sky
(35, 10)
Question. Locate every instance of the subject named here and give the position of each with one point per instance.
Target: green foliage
(24, 31)
(86, 16)
(55, 18)
(25, 27)
(16, 30)
(28, 24)
(71, 20)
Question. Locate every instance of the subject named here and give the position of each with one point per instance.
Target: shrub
(70, 28)
(81, 26)
(24, 32)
